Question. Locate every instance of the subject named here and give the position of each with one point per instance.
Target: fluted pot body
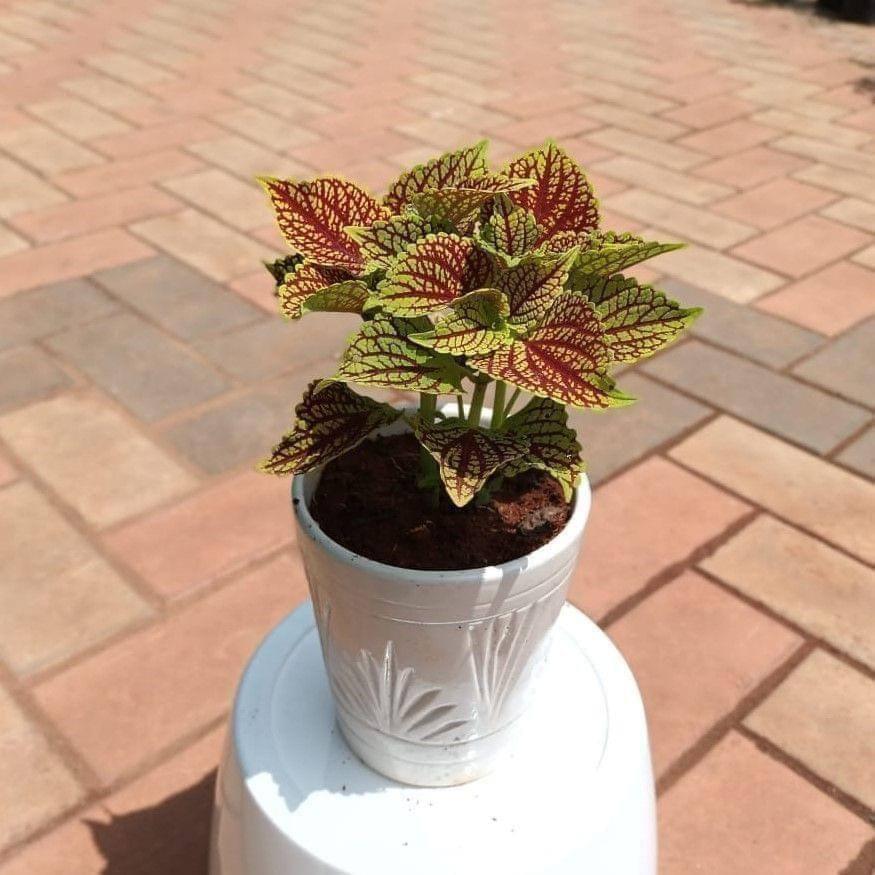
(432, 671)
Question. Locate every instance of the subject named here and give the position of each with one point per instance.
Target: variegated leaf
(383, 241)
(467, 456)
(553, 446)
(510, 232)
(564, 358)
(433, 273)
(281, 266)
(381, 354)
(306, 280)
(561, 198)
(313, 216)
(607, 252)
(456, 206)
(349, 296)
(450, 170)
(531, 285)
(330, 420)
(475, 325)
(638, 320)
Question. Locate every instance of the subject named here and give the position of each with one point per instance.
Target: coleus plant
(466, 277)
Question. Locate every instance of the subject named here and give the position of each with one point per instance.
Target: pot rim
(581, 501)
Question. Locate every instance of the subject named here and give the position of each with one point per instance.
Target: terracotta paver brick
(642, 123)
(209, 534)
(247, 159)
(22, 191)
(77, 119)
(660, 179)
(335, 155)
(790, 482)
(729, 138)
(860, 454)
(105, 92)
(68, 259)
(238, 203)
(265, 127)
(839, 180)
(688, 623)
(689, 222)
(150, 374)
(58, 596)
(205, 244)
(775, 203)
(707, 113)
(172, 679)
(854, 160)
(181, 300)
(93, 458)
(757, 335)
(295, 107)
(10, 242)
(738, 804)
(41, 312)
(717, 272)
(658, 415)
(94, 214)
(258, 287)
(853, 211)
(802, 716)
(233, 432)
(279, 344)
(623, 509)
(28, 762)
(68, 848)
(27, 374)
(845, 366)
(751, 168)
(155, 137)
(802, 246)
(7, 472)
(529, 133)
(127, 173)
(819, 589)
(810, 301)
(811, 127)
(772, 401)
(46, 150)
(127, 68)
(777, 90)
(665, 154)
(866, 257)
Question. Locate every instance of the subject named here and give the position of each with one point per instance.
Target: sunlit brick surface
(142, 372)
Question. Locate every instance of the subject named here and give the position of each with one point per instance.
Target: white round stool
(575, 797)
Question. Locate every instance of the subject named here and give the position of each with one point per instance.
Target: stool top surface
(571, 764)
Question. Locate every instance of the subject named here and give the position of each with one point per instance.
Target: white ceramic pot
(432, 671)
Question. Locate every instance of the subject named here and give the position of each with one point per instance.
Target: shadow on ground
(171, 838)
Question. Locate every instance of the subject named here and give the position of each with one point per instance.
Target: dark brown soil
(368, 502)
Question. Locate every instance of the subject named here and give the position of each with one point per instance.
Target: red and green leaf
(313, 217)
(349, 296)
(531, 285)
(450, 170)
(564, 358)
(467, 456)
(279, 267)
(607, 253)
(382, 242)
(561, 198)
(305, 280)
(456, 206)
(475, 325)
(433, 273)
(510, 232)
(638, 320)
(553, 446)
(381, 354)
(330, 420)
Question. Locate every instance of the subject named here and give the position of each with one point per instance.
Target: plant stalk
(509, 406)
(477, 402)
(498, 404)
(429, 477)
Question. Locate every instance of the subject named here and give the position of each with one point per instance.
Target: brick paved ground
(141, 372)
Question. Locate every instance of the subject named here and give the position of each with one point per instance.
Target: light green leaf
(475, 325)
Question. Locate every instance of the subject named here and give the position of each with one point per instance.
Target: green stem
(513, 399)
(498, 404)
(429, 478)
(477, 402)
(460, 401)
(427, 407)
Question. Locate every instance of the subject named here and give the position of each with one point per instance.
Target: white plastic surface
(575, 797)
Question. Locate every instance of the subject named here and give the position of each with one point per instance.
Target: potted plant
(439, 540)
